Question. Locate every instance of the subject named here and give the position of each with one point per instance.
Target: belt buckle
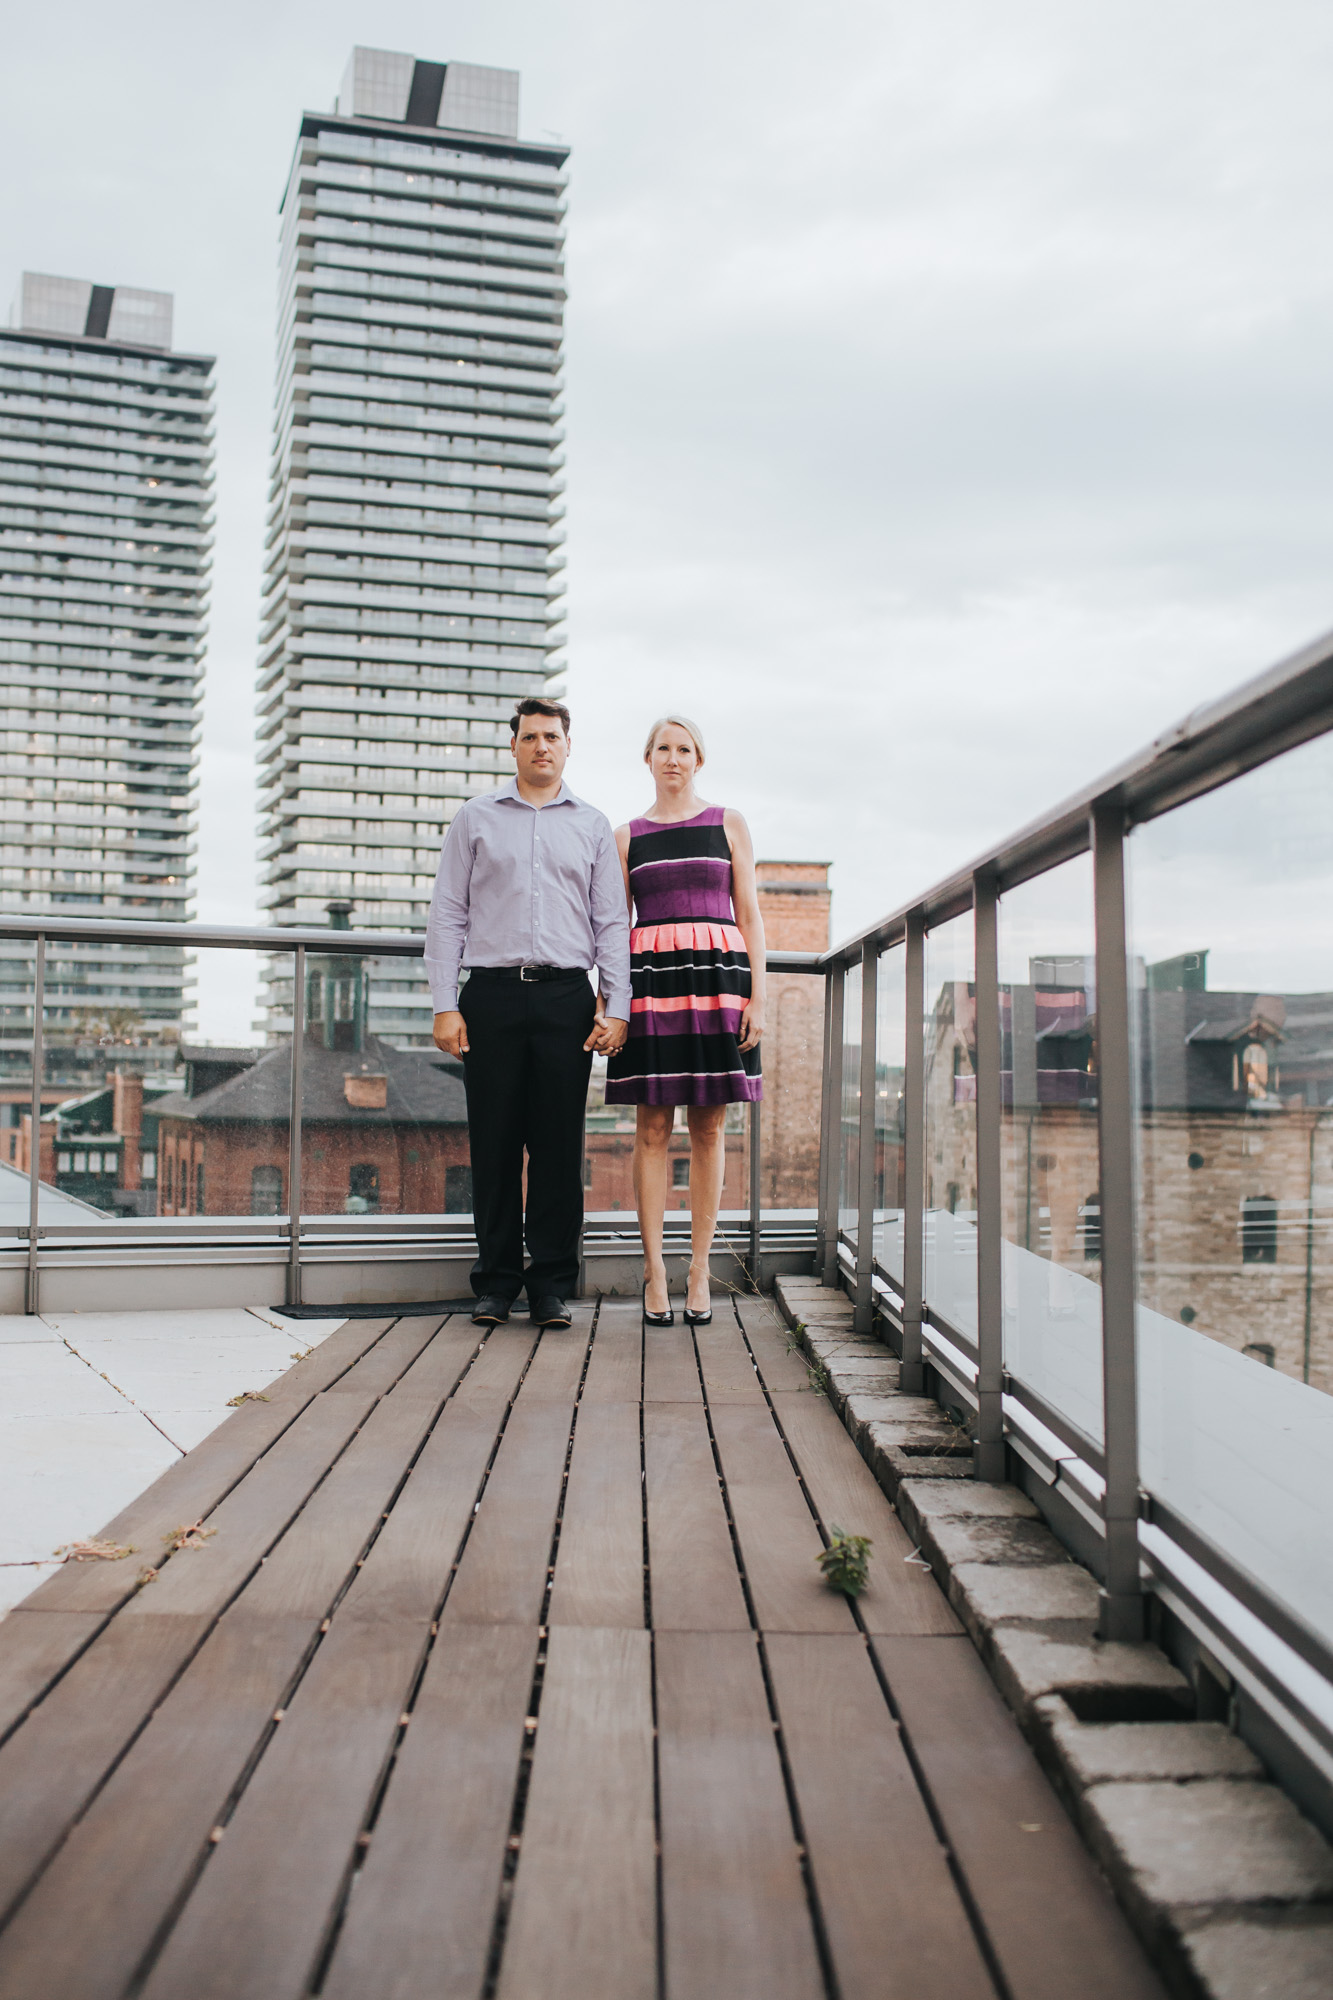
(529, 974)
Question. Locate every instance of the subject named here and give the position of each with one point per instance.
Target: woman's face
(673, 757)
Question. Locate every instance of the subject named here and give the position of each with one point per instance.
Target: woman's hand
(752, 1025)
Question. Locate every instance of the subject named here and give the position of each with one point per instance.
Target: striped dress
(689, 972)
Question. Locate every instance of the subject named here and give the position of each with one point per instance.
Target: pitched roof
(421, 1089)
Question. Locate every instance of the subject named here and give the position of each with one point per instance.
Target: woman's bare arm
(750, 924)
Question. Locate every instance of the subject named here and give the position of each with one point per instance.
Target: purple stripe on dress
(686, 1021)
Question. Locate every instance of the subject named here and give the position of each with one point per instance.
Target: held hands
(450, 1033)
(752, 1025)
(609, 1034)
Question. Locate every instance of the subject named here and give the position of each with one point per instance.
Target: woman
(697, 968)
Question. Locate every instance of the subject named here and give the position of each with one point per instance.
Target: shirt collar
(564, 797)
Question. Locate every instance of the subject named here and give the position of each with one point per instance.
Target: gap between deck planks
(366, 1834)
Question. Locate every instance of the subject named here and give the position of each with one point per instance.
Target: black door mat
(389, 1310)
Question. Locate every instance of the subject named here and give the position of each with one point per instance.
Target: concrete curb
(1228, 1885)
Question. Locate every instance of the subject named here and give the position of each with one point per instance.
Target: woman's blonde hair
(691, 729)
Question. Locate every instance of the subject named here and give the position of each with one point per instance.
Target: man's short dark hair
(536, 704)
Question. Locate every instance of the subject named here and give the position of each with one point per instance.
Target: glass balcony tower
(413, 548)
(106, 469)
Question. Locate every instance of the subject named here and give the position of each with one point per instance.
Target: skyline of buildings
(106, 472)
(412, 559)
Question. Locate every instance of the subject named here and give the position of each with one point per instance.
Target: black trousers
(526, 1074)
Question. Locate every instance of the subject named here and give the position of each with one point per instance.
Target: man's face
(540, 750)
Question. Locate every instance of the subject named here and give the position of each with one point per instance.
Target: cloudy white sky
(949, 381)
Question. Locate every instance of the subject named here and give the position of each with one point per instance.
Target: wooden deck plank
(780, 1544)
(86, 1925)
(583, 1922)
(695, 1583)
(420, 1919)
(781, 1364)
(1050, 1917)
(896, 1925)
(310, 1564)
(615, 1368)
(391, 1357)
(599, 1566)
(670, 1369)
(502, 1574)
(728, 1372)
(901, 1596)
(734, 1907)
(255, 1920)
(557, 1366)
(36, 1647)
(51, 1766)
(252, 1517)
(190, 1489)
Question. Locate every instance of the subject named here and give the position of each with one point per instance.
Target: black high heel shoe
(668, 1318)
(693, 1318)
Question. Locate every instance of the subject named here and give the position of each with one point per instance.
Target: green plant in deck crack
(846, 1561)
(818, 1376)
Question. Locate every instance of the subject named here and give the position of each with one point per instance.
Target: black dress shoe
(490, 1312)
(693, 1318)
(548, 1310)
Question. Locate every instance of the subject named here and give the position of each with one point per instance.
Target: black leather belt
(527, 973)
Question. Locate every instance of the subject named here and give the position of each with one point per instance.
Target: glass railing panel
(849, 1125)
(608, 1156)
(1048, 1137)
(384, 1126)
(950, 1278)
(792, 1055)
(890, 1071)
(1233, 1008)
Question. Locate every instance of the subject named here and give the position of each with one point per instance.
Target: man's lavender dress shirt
(529, 885)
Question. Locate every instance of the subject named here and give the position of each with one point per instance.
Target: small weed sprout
(818, 1376)
(246, 1396)
(846, 1562)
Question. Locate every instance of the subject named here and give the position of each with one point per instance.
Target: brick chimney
(366, 1090)
(127, 1119)
(795, 901)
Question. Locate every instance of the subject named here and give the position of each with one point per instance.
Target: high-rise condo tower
(106, 457)
(412, 556)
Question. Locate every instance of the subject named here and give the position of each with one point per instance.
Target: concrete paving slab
(998, 1502)
(998, 1595)
(62, 1476)
(46, 1380)
(1258, 1961)
(190, 1368)
(1126, 1683)
(25, 1327)
(1094, 1753)
(1208, 1844)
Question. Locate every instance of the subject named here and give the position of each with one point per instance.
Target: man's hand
(451, 1033)
(608, 1034)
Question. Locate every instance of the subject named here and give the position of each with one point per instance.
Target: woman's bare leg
(652, 1135)
(708, 1160)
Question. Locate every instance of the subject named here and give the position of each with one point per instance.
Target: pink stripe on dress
(686, 937)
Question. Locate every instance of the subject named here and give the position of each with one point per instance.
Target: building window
(62, 1163)
(1258, 1229)
(587, 1170)
(266, 1190)
(81, 1163)
(363, 1190)
(150, 1166)
(94, 1163)
(680, 1172)
(1259, 1350)
(199, 1187)
(458, 1190)
(1090, 1228)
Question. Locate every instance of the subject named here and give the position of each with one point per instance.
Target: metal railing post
(294, 1130)
(1122, 1604)
(988, 1445)
(825, 1093)
(756, 1188)
(31, 1283)
(914, 1153)
(863, 1317)
(832, 1134)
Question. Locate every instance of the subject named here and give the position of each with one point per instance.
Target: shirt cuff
(444, 999)
(618, 1004)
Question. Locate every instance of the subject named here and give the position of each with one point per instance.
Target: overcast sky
(949, 382)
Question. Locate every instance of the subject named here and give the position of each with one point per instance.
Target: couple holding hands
(534, 891)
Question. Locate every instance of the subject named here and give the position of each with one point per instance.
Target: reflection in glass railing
(849, 1134)
(950, 1027)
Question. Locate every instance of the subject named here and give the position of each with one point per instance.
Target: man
(528, 898)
